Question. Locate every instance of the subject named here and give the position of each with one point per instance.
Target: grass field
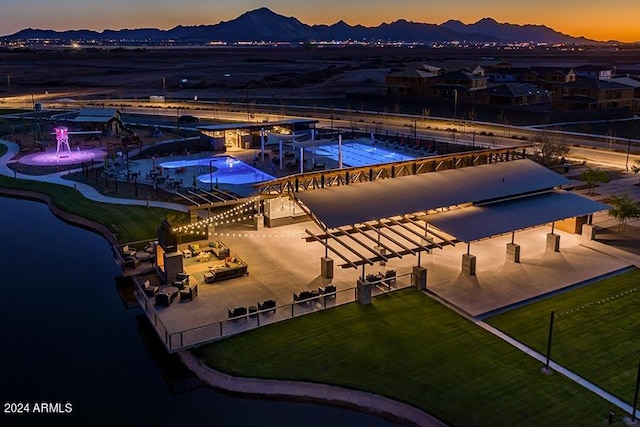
(595, 331)
(410, 348)
(128, 223)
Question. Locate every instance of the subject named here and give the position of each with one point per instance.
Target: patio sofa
(233, 267)
(219, 249)
(194, 249)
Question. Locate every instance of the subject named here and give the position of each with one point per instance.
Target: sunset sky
(594, 19)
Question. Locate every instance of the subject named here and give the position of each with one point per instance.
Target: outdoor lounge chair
(149, 289)
(237, 312)
(268, 304)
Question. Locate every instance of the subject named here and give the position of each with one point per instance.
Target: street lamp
(210, 176)
(455, 103)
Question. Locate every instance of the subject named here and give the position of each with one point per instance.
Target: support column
(280, 152)
(326, 267)
(513, 252)
(469, 264)
(262, 137)
(301, 160)
(419, 277)
(589, 231)
(364, 292)
(553, 242)
(258, 222)
(339, 151)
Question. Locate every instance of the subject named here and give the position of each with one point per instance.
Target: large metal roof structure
(351, 204)
(255, 125)
(377, 220)
(478, 222)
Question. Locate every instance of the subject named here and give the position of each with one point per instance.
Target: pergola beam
(373, 251)
(326, 245)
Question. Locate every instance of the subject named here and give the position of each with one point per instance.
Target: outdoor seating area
(233, 267)
(306, 296)
(328, 291)
(149, 289)
(237, 312)
(189, 292)
(166, 296)
(219, 249)
(268, 304)
(194, 249)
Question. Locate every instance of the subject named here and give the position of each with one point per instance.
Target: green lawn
(410, 348)
(129, 223)
(595, 331)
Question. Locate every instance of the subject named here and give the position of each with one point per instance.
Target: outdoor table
(143, 256)
(253, 310)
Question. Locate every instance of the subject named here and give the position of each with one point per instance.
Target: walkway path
(87, 191)
(369, 402)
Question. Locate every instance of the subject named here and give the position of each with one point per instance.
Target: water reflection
(67, 337)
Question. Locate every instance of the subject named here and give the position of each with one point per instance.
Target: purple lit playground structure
(63, 154)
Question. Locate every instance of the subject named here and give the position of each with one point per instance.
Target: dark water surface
(66, 337)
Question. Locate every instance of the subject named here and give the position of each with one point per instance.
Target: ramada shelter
(373, 221)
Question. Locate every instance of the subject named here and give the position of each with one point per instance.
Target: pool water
(358, 154)
(229, 170)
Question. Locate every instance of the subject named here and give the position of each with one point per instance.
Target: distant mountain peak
(263, 24)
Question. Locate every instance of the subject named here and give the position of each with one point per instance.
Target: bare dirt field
(256, 73)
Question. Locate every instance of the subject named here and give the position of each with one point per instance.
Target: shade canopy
(385, 198)
(478, 222)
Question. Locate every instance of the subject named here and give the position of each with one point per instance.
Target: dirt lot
(255, 73)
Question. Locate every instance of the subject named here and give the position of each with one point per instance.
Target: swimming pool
(358, 154)
(229, 170)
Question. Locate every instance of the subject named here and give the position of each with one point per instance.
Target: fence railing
(192, 337)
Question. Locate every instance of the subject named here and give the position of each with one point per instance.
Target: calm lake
(67, 337)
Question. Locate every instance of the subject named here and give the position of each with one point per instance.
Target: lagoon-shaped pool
(228, 170)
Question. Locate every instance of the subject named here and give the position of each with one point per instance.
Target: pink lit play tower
(62, 136)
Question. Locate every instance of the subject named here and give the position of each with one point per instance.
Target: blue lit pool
(358, 154)
(229, 170)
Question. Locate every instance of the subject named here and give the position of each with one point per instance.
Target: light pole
(210, 176)
(455, 103)
(626, 163)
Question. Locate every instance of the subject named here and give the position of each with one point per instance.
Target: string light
(244, 208)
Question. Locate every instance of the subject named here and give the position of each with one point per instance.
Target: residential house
(408, 82)
(549, 77)
(592, 94)
(456, 84)
(594, 72)
(512, 94)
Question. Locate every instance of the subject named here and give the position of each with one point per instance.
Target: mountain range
(263, 25)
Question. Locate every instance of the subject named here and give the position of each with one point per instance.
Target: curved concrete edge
(322, 393)
(73, 219)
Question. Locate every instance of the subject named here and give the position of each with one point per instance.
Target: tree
(635, 168)
(550, 147)
(593, 177)
(623, 208)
